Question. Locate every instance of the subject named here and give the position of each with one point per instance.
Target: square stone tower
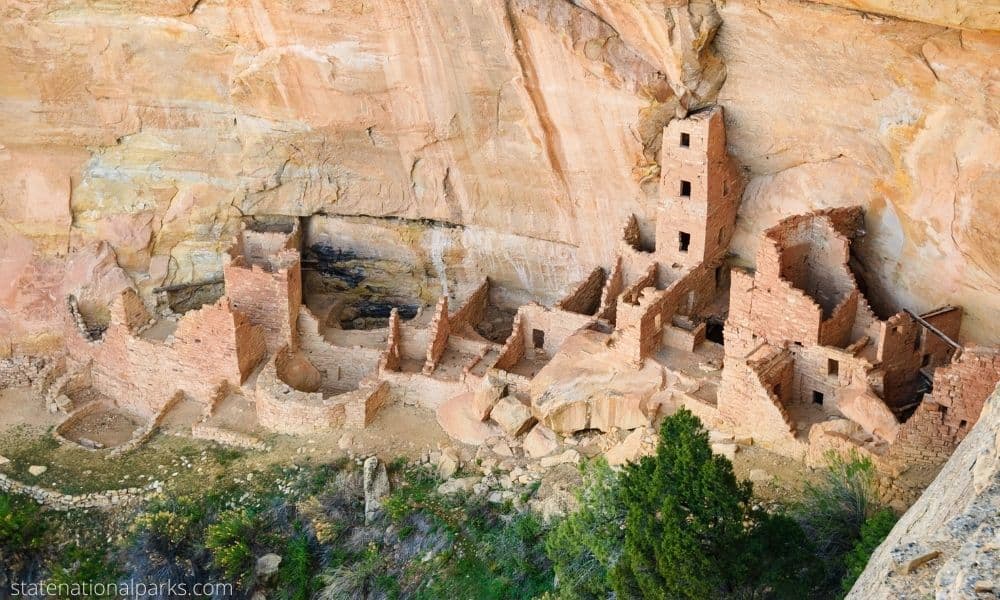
(698, 195)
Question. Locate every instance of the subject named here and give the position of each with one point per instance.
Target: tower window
(832, 367)
(686, 140)
(685, 188)
(817, 397)
(685, 241)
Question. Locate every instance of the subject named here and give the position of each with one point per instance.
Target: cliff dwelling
(307, 331)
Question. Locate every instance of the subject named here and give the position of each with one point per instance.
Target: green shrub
(83, 565)
(873, 532)
(586, 545)
(833, 511)
(296, 569)
(22, 528)
(691, 531)
(229, 542)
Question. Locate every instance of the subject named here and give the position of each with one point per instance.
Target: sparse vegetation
(675, 525)
(834, 514)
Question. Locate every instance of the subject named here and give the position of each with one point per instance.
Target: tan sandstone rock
(512, 416)
(540, 441)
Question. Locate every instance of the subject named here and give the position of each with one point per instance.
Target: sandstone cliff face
(945, 546)
(508, 137)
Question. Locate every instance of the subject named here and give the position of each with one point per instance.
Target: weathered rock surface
(957, 517)
(512, 416)
(540, 441)
(531, 125)
(585, 388)
(376, 486)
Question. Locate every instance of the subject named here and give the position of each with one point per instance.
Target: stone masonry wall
(752, 394)
(513, 349)
(391, 357)
(943, 420)
(19, 371)
(474, 308)
(609, 293)
(440, 330)
(210, 346)
(585, 298)
(342, 369)
(269, 298)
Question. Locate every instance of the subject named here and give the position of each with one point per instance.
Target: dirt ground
(183, 463)
(108, 427)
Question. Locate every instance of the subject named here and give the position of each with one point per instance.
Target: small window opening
(718, 277)
(916, 343)
(537, 338)
(926, 361)
(817, 397)
(777, 390)
(685, 241)
(832, 367)
(685, 188)
(686, 140)
(962, 424)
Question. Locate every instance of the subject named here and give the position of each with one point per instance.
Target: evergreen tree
(691, 530)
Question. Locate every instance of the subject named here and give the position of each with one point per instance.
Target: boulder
(628, 450)
(267, 566)
(727, 449)
(540, 441)
(448, 464)
(458, 418)
(512, 416)
(569, 456)
(459, 484)
(37, 470)
(376, 486)
(486, 396)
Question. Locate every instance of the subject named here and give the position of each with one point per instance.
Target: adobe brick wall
(474, 308)
(585, 298)
(270, 295)
(211, 345)
(613, 286)
(440, 328)
(391, 357)
(513, 349)
(342, 369)
(943, 419)
(557, 325)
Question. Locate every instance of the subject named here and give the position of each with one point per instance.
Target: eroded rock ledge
(946, 545)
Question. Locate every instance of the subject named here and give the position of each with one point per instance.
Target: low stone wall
(143, 435)
(59, 501)
(364, 404)
(20, 371)
(200, 431)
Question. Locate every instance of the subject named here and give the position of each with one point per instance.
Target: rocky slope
(945, 546)
(510, 137)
